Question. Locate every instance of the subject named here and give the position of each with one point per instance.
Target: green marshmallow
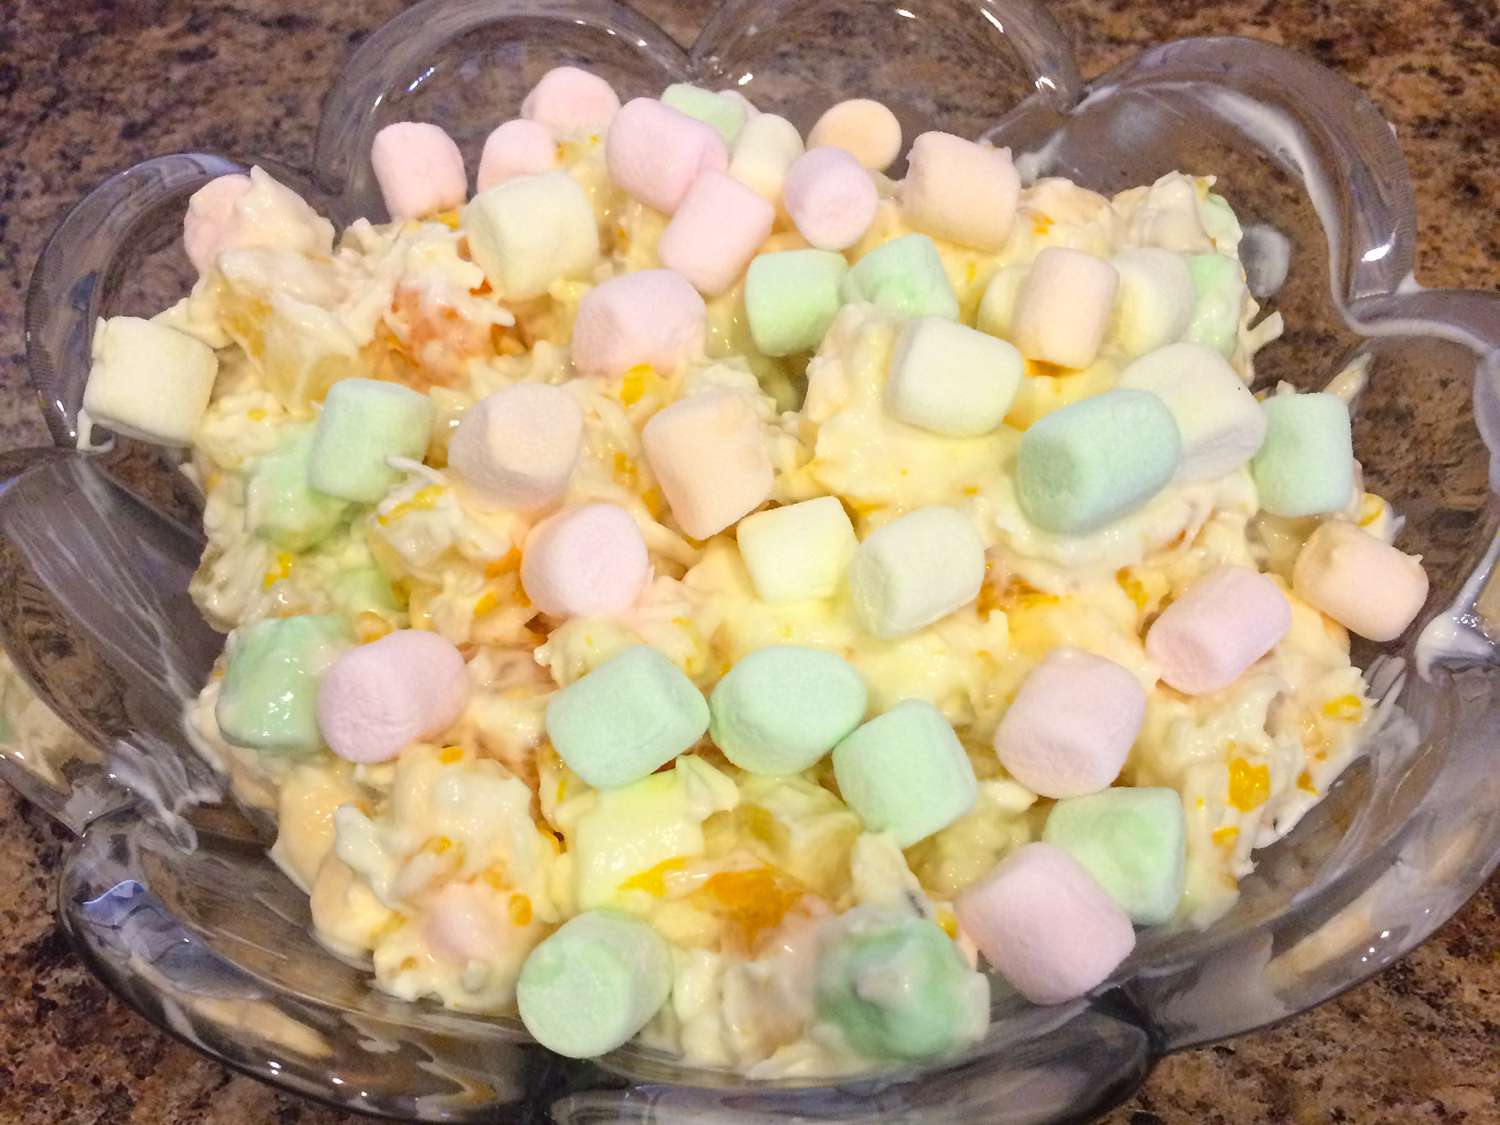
(906, 773)
(727, 115)
(594, 983)
(1306, 465)
(269, 696)
(782, 708)
(363, 589)
(1090, 463)
(898, 988)
(364, 421)
(632, 714)
(903, 277)
(1219, 220)
(791, 297)
(1219, 287)
(1132, 841)
(281, 506)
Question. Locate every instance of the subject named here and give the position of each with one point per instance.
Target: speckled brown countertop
(90, 86)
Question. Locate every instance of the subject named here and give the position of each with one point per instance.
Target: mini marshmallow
(1306, 465)
(517, 447)
(997, 308)
(783, 707)
(791, 298)
(1070, 727)
(281, 505)
(516, 148)
(625, 719)
(1221, 424)
(767, 146)
(654, 317)
(798, 551)
(531, 231)
(1155, 299)
(584, 562)
(364, 422)
(654, 152)
(268, 698)
(951, 379)
(726, 114)
(210, 221)
(1096, 460)
(1363, 583)
(862, 127)
(714, 232)
(961, 191)
(709, 457)
(568, 99)
(594, 983)
(1044, 924)
(419, 169)
(1132, 841)
(1219, 300)
(903, 277)
(1219, 626)
(915, 570)
(379, 698)
(1064, 307)
(148, 381)
(830, 197)
(906, 773)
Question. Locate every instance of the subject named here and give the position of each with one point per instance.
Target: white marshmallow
(708, 453)
(997, 308)
(767, 146)
(517, 447)
(798, 551)
(148, 381)
(585, 561)
(1064, 307)
(377, 699)
(209, 224)
(830, 197)
(714, 232)
(951, 379)
(916, 569)
(959, 190)
(568, 99)
(419, 169)
(1365, 584)
(1155, 301)
(516, 148)
(532, 231)
(650, 316)
(862, 127)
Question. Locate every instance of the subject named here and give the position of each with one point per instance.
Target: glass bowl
(167, 892)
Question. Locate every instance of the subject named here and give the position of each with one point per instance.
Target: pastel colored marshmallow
(1045, 925)
(654, 152)
(791, 298)
(627, 718)
(781, 708)
(364, 423)
(1132, 841)
(915, 570)
(708, 454)
(281, 505)
(585, 562)
(862, 127)
(379, 698)
(654, 317)
(714, 232)
(268, 698)
(1071, 725)
(1219, 626)
(961, 191)
(1219, 294)
(210, 222)
(594, 983)
(148, 381)
(798, 551)
(903, 277)
(951, 379)
(1218, 419)
(1362, 582)
(1154, 301)
(568, 99)
(1064, 307)
(906, 773)
(419, 169)
(830, 197)
(519, 147)
(997, 308)
(1095, 460)
(767, 146)
(1305, 467)
(531, 231)
(517, 447)
(726, 114)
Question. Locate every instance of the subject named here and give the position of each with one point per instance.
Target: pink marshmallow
(1363, 583)
(569, 99)
(460, 924)
(1044, 924)
(516, 148)
(517, 447)
(585, 562)
(1219, 626)
(209, 224)
(654, 153)
(709, 456)
(377, 699)
(831, 197)
(419, 169)
(1071, 726)
(715, 232)
(653, 316)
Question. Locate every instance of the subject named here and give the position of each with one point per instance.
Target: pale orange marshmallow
(1064, 307)
(709, 456)
(419, 169)
(830, 197)
(569, 99)
(959, 190)
(1362, 582)
(714, 232)
(210, 221)
(862, 127)
(654, 317)
(516, 148)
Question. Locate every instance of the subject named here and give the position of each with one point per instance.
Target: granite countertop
(89, 87)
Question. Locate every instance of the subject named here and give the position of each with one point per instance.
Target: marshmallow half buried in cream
(1363, 583)
(654, 317)
(517, 447)
(379, 698)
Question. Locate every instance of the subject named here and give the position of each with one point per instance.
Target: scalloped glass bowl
(168, 893)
